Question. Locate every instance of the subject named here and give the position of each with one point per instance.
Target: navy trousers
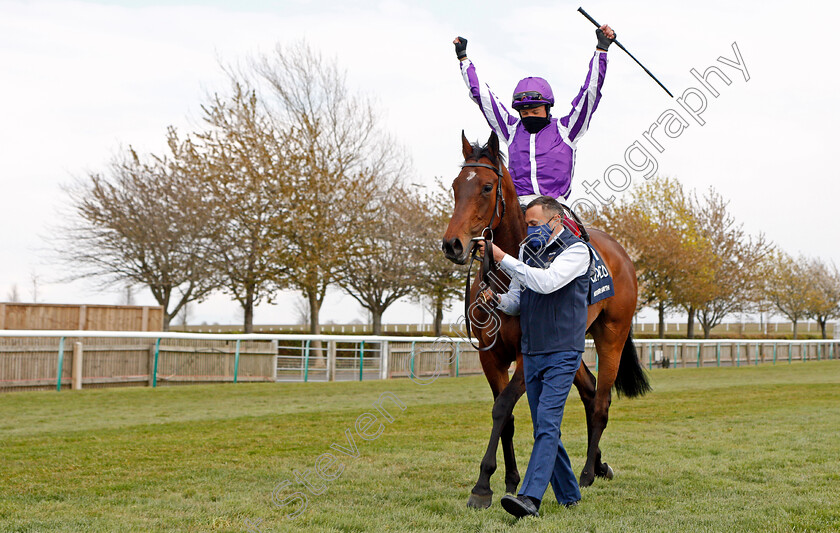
(548, 379)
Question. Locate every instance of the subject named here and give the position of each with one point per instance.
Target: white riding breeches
(528, 198)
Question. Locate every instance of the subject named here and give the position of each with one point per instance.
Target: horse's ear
(493, 145)
(466, 146)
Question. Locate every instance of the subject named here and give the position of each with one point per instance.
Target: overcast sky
(81, 80)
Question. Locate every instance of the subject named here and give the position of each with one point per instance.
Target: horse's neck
(511, 229)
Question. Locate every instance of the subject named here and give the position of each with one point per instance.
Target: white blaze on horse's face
(471, 175)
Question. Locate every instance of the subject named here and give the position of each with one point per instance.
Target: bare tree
(301, 311)
(392, 265)
(689, 252)
(824, 303)
(658, 227)
(14, 295)
(184, 315)
(736, 275)
(140, 223)
(441, 281)
(343, 168)
(35, 280)
(240, 161)
(128, 295)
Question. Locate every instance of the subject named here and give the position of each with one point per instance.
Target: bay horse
(608, 321)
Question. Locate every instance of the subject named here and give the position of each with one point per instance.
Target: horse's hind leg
(482, 495)
(585, 384)
(609, 344)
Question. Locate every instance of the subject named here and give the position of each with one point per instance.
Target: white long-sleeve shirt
(568, 265)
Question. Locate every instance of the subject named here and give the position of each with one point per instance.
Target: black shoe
(571, 504)
(519, 506)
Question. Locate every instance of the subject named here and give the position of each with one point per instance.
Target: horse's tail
(631, 380)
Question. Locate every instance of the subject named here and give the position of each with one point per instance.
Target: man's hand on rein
(498, 254)
(488, 297)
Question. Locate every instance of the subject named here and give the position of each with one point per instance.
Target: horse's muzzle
(454, 250)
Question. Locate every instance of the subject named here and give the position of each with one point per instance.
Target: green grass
(735, 449)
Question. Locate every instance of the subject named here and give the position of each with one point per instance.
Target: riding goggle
(527, 96)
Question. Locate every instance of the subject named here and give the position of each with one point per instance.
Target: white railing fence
(90, 359)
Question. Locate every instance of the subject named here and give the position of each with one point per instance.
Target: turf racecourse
(730, 449)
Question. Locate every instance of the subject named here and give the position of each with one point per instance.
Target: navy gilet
(554, 322)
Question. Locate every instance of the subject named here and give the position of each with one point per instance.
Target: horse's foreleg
(512, 477)
(482, 495)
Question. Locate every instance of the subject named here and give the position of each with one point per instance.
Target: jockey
(541, 148)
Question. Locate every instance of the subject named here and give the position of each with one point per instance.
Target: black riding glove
(461, 48)
(603, 42)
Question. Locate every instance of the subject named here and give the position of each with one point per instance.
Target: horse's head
(475, 198)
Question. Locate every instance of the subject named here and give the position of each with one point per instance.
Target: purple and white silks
(542, 163)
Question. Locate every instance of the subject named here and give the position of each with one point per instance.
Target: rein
(487, 263)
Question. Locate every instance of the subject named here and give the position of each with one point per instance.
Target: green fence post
(774, 352)
(757, 352)
(157, 356)
(650, 356)
(412, 359)
(60, 363)
(236, 363)
(790, 352)
(306, 361)
(738, 353)
(717, 353)
(361, 361)
(819, 351)
(457, 359)
(699, 347)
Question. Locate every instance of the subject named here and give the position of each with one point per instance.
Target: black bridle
(487, 263)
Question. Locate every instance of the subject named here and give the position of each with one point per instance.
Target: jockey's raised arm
(541, 147)
(586, 102)
(498, 117)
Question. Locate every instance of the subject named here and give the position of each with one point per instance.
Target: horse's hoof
(605, 471)
(479, 501)
(586, 479)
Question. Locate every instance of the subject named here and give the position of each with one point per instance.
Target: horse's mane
(480, 151)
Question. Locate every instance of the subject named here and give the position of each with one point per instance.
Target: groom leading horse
(483, 185)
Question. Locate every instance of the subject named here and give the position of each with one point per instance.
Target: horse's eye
(488, 187)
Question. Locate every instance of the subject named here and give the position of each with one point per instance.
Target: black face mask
(535, 124)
